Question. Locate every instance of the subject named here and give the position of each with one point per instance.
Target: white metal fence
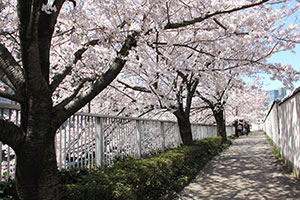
(7, 155)
(89, 140)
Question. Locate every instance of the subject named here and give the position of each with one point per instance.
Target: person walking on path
(247, 128)
(247, 170)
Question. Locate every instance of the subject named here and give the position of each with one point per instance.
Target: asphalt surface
(247, 170)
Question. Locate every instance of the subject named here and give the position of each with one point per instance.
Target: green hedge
(157, 177)
(7, 190)
(152, 178)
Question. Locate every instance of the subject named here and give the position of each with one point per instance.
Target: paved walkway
(247, 170)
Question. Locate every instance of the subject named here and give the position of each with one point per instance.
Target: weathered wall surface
(282, 125)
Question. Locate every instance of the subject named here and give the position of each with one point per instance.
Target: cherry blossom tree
(225, 89)
(215, 95)
(57, 55)
(246, 102)
(25, 56)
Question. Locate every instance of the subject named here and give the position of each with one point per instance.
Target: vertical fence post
(65, 145)
(8, 150)
(81, 141)
(77, 143)
(60, 148)
(99, 143)
(162, 131)
(89, 140)
(138, 139)
(69, 142)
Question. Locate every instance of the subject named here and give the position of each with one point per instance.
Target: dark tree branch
(10, 34)
(136, 88)
(156, 48)
(148, 111)
(190, 93)
(247, 61)
(179, 107)
(74, 2)
(122, 110)
(62, 113)
(158, 97)
(59, 78)
(219, 23)
(204, 118)
(199, 108)
(185, 23)
(226, 29)
(38, 28)
(12, 72)
(207, 101)
(11, 134)
(168, 13)
(145, 90)
(4, 79)
(227, 87)
(11, 96)
(60, 33)
(77, 56)
(183, 76)
(133, 100)
(289, 40)
(74, 94)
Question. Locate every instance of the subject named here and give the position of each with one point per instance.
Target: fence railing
(7, 155)
(89, 140)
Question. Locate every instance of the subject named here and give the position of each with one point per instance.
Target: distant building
(273, 94)
(276, 95)
(282, 93)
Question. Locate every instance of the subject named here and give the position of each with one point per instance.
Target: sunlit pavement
(247, 170)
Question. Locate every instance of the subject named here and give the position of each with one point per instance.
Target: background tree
(172, 63)
(246, 102)
(215, 95)
(56, 56)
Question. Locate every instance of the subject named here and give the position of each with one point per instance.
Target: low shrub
(152, 178)
(8, 190)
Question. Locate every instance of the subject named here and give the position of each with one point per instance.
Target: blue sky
(286, 57)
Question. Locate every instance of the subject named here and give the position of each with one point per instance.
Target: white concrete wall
(230, 130)
(282, 125)
(256, 127)
(271, 125)
(205, 131)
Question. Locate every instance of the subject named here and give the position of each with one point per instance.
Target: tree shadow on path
(247, 170)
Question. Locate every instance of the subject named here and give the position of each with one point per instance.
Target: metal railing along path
(91, 140)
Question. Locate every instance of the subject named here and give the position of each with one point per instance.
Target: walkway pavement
(247, 170)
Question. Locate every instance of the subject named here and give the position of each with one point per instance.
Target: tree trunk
(184, 128)
(36, 170)
(221, 128)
